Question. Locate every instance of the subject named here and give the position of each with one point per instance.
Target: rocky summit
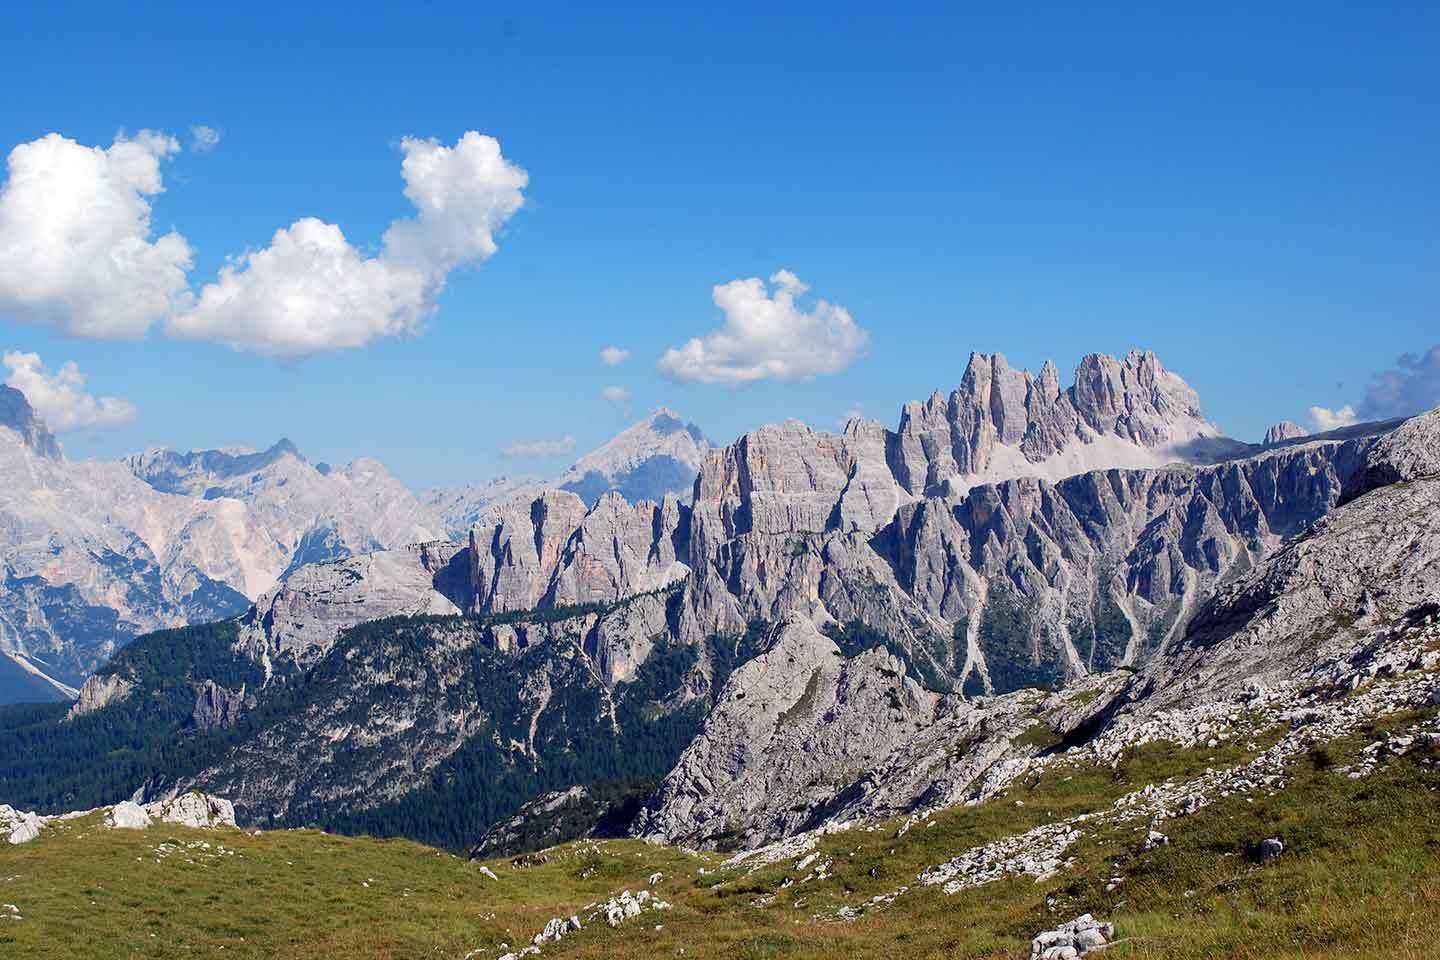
(1042, 648)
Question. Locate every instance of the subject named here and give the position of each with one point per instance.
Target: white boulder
(127, 815)
(194, 809)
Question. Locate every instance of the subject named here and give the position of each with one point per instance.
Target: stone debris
(1039, 853)
(21, 826)
(1072, 940)
(615, 911)
(557, 928)
(620, 908)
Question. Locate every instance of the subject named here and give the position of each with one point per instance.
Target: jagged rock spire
(17, 414)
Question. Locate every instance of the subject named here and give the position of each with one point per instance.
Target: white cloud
(615, 394)
(1327, 419)
(312, 290)
(767, 337)
(75, 247)
(60, 398)
(203, 139)
(614, 356)
(537, 449)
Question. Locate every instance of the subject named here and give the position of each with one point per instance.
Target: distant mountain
(92, 554)
(1283, 431)
(656, 457)
(661, 454)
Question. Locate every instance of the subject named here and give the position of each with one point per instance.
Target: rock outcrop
(300, 619)
(791, 729)
(1005, 423)
(555, 552)
(191, 809)
(127, 815)
(17, 415)
(194, 809)
(20, 826)
(217, 708)
(99, 692)
(1283, 431)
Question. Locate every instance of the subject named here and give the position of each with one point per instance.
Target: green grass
(1360, 878)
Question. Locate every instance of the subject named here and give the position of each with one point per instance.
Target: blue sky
(1253, 195)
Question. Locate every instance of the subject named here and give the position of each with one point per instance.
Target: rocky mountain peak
(17, 414)
(657, 456)
(1282, 431)
(1002, 422)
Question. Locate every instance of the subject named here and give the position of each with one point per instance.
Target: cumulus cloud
(765, 336)
(312, 290)
(1327, 419)
(1412, 386)
(537, 449)
(75, 245)
(614, 356)
(203, 139)
(60, 398)
(615, 394)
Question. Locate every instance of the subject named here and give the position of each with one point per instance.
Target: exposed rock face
(1095, 571)
(16, 414)
(791, 727)
(910, 622)
(99, 692)
(1282, 431)
(1005, 423)
(555, 552)
(194, 809)
(1369, 562)
(217, 708)
(1410, 452)
(301, 618)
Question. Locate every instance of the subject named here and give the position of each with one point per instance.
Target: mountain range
(832, 628)
(97, 553)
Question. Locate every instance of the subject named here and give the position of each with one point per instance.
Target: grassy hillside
(1360, 878)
